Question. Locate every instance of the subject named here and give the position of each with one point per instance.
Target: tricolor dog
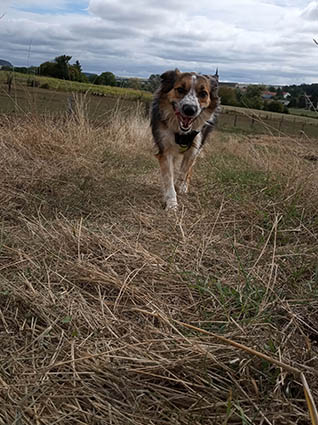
(183, 113)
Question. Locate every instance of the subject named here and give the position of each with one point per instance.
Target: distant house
(266, 95)
(282, 97)
(5, 63)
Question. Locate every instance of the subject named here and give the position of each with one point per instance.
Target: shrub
(228, 96)
(274, 106)
(45, 86)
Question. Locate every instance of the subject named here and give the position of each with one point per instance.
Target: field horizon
(55, 96)
(114, 311)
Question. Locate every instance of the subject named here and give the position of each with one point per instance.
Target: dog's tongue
(186, 121)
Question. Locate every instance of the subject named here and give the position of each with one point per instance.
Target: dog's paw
(183, 188)
(171, 205)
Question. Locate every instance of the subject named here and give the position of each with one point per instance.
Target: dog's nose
(189, 110)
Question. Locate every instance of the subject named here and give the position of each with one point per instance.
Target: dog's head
(189, 94)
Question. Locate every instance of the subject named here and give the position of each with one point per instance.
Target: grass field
(271, 123)
(20, 80)
(101, 100)
(300, 115)
(304, 112)
(98, 284)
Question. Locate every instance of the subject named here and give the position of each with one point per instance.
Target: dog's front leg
(167, 175)
(189, 158)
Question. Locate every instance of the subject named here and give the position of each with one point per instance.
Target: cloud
(311, 11)
(141, 14)
(4, 6)
(249, 40)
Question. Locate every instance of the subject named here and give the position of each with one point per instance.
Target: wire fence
(269, 123)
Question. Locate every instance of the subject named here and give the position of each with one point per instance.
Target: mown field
(113, 311)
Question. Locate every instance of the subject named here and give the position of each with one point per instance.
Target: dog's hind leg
(167, 174)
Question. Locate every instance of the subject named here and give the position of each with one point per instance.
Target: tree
(274, 106)
(92, 78)
(73, 73)
(279, 93)
(63, 66)
(58, 69)
(252, 97)
(78, 66)
(76, 73)
(106, 79)
(49, 69)
(134, 83)
(228, 96)
(153, 82)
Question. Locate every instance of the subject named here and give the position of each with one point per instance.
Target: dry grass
(95, 278)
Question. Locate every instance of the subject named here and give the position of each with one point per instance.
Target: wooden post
(9, 81)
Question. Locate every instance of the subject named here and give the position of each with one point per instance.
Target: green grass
(74, 86)
(244, 121)
(300, 115)
(304, 112)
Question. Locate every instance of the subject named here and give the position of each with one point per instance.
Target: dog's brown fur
(183, 114)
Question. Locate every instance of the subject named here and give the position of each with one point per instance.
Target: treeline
(303, 96)
(252, 97)
(62, 68)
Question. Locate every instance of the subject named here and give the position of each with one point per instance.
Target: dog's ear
(214, 84)
(168, 79)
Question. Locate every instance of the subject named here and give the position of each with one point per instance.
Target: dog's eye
(181, 90)
(203, 94)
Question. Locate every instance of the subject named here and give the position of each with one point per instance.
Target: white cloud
(311, 11)
(249, 40)
(4, 6)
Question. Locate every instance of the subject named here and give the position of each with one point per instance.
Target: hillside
(22, 80)
(99, 285)
(5, 63)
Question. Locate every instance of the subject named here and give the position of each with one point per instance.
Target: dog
(183, 113)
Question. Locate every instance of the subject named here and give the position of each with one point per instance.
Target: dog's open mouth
(185, 123)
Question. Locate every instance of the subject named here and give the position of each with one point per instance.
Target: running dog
(183, 114)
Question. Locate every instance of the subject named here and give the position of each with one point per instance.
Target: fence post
(9, 81)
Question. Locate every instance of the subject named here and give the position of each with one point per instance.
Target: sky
(249, 41)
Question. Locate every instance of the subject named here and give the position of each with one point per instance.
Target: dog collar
(185, 140)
